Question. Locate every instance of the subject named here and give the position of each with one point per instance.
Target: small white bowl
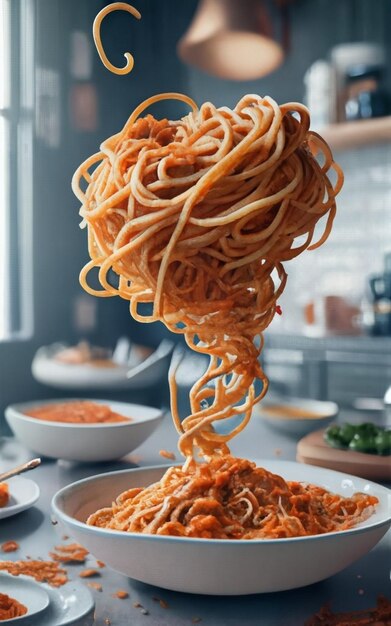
(219, 566)
(83, 442)
(49, 371)
(293, 415)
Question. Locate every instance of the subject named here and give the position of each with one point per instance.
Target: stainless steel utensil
(25, 467)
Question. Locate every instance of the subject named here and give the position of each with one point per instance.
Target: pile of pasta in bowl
(196, 218)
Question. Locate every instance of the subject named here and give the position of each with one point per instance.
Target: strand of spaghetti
(327, 231)
(115, 6)
(126, 249)
(82, 278)
(82, 171)
(231, 216)
(216, 172)
(175, 363)
(171, 95)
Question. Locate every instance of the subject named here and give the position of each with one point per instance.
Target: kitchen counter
(356, 588)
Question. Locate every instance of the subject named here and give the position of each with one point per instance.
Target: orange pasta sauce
(290, 412)
(77, 412)
(4, 494)
(10, 608)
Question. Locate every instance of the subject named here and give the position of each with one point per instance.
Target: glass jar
(366, 97)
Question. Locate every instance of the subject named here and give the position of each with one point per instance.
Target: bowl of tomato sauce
(85, 430)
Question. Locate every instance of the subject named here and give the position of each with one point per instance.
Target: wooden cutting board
(312, 449)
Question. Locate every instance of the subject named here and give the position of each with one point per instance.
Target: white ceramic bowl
(292, 415)
(220, 567)
(83, 442)
(47, 370)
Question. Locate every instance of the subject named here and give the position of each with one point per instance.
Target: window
(16, 133)
(4, 167)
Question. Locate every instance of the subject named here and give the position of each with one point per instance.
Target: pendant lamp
(234, 39)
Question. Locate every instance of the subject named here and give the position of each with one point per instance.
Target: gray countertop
(356, 588)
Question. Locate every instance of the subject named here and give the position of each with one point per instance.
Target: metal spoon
(21, 468)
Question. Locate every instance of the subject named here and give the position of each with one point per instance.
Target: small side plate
(24, 492)
(64, 605)
(68, 604)
(26, 591)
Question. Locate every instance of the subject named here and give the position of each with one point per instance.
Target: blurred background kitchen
(58, 102)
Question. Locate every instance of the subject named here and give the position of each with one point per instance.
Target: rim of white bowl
(48, 359)
(232, 542)
(14, 410)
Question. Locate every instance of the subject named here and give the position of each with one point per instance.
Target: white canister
(320, 93)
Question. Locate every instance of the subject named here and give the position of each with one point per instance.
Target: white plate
(24, 492)
(83, 442)
(26, 591)
(66, 604)
(86, 377)
(219, 566)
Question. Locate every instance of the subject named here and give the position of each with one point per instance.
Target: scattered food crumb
(42, 571)
(196, 620)
(361, 592)
(278, 451)
(96, 586)
(107, 621)
(87, 573)
(65, 537)
(167, 455)
(54, 522)
(138, 605)
(381, 614)
(121, 594)
(100, 563)
(72, 552)
(9, 546)
(162, 603)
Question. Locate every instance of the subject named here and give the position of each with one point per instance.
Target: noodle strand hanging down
(196, 218)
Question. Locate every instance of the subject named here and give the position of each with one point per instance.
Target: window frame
(18, 113)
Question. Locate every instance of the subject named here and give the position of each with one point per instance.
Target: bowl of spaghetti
(191, 221)
(82, 430)
(255, 563)
(88, 368)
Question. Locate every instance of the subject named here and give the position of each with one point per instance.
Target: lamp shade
(232, 39)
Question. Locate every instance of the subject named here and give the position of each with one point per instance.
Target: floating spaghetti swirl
(196, 217)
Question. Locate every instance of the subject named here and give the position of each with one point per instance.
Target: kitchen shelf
(348, 135)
